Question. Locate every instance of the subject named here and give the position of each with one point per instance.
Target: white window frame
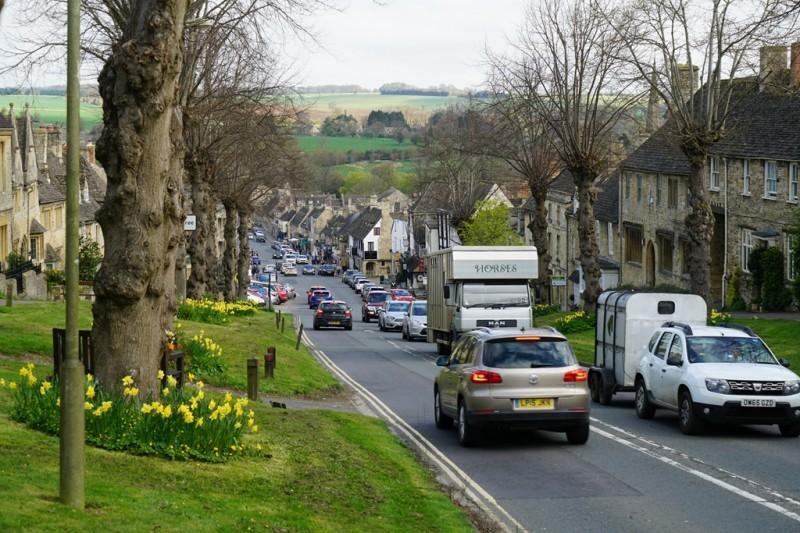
(610, 230)
(746, 248)
(713, 173)
(791, 274)
(794, 177)
(771, 194)
(746, 177)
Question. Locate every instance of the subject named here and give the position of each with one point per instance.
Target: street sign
(190, 224)
(558, 281)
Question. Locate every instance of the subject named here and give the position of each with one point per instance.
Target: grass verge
(353, 475)
(28, 328)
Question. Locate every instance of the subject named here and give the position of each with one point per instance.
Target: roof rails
(739, 327)
(687, 329)
(483, 329)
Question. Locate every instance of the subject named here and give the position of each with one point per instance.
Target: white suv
(716, 374)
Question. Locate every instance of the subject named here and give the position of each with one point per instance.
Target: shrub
(767, 266)
(182, 425)
(733, 298)
(89, 258)
(575, 322)
(205, 355)
(213, 312)
(55, 277)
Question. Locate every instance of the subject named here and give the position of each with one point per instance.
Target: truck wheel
(688, 421)
(442, 420)
(578, 434)
(644, 407)
(790, 430)
(604, 395)
(594, 388)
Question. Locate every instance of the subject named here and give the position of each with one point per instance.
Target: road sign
(190, 224)
(558, 281)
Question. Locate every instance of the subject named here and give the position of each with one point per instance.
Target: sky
(372, 42)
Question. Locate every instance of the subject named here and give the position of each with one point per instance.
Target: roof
(762, 125)
(606, 207)
(287, 216)
(361, 227)
(388, 192)
(88, 210)
(37, 228)
(299, 216)
(5, 120)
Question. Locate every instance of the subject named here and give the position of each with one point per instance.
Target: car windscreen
(329, 306)
(420, 310)
(398, 307)
(490, 294)
(541, 353)
(728, 350)
(402, 292)
(378, 297)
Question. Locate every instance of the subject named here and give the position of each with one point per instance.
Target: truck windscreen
(495, 295)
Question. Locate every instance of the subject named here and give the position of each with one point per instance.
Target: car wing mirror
(784, 362)
(442, 360)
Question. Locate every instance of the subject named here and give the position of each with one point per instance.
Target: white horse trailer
(625, 322)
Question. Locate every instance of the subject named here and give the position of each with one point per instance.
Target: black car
(277, 254)
(333, 314)
(327, 270)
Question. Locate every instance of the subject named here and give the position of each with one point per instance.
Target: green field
(310, 144)
(369, 101)
(52, 109)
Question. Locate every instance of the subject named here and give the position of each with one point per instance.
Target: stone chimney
(688, 80)
(90, 153)
(795, 66)
(772, 62)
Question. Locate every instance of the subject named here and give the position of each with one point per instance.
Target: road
(632, 475)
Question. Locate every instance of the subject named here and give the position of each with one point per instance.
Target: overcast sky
(369, 42)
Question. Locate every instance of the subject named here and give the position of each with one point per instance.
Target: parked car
(327, 270)
(308, 270)
(288, 269)
(255, 260)
(302, 259)
(415, 321)
(716, 374)
(358, 284)
(334, 313)
(390, 316)
(319, 296)
(291, 293)
(373, 303)
(250, 236)
(497, 377)
(268, 268)
(347, 275)
(402, 295)
(289, 257)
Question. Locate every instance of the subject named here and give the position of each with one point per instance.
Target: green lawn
(27, 328)
(317, 471)
(52, 109)
(582, 342)
(310, 144)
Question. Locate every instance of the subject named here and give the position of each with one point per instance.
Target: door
(656, 365)
(450, 376)
(650, 265)
(672, 371)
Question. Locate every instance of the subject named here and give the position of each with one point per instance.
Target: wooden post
(9, 293)
(252, 379)
(278, 319)
(299, 336)
(283, 323)
(269, 362)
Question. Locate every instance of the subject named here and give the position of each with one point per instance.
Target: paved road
(632, 475)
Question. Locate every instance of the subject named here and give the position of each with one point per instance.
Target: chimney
(688, 80)
(772, 62)
(795, 66)
(90, 153)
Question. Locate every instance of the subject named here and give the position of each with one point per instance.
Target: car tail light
(576, 375)
(527, 338)
(485, 376)
(320, 312)
(348, 313)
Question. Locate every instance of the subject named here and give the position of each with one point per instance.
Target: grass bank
(27, 328)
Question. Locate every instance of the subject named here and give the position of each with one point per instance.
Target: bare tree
(680, 46)
(567, 65)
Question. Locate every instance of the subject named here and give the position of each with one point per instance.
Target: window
(370, 246)
(627, 186)
(770, 179)
(376, 231)
(747, 247)
(791, 253)
(672, 193)
(639, 187)
(675, 352)
(661, 350)
(653, 340)
(659, 184)
(746, 177)
(664, 253)
(34, 248)
(794, 175)
(666, 307)
(610, 239)
(59, 214)
(713, 165)
(512, 353)
(558, 245)
(633, 244)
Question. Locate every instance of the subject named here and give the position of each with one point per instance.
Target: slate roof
(5, 120)
(37, 228)
(88, 210)
(271, 205)
(344, 231)
(606, 207)
(361, 227)
(299, 216)
(762, 125)
(388, 192)
(333, 225)
(287, 216)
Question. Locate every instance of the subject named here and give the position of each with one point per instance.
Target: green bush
(776, 296)
(89, 258)
(733, 298)
(14, 260)
(575, 322)
(180, 426)
(55, 277)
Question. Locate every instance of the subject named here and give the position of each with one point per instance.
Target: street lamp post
(72, 461)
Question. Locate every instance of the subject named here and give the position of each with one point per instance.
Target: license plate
(333, 322)
(534, 403)
(758, 403)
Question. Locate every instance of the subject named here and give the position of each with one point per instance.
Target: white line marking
(702, 475)
(471, 488)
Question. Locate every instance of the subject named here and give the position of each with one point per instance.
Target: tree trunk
(243, 275)
(699, 224)
(587, 239)
(200, 245)
(229, 258)
(141, 150)
(538, 227)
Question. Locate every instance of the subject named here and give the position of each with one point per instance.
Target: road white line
(471, 489)
(400, 347)
(695, 472)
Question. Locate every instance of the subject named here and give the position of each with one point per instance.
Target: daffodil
(237, 425)
(190, 377)
(199, 422)
(90, 392)
(212, 405)
(253, 428)
(166, 412)
(88, 406)
(147, 408)
(171, 381)
(89, 378)
(46, 386)
(127, 381)
(165, 391)
(160, 374)
(188, 417)
(2, 382)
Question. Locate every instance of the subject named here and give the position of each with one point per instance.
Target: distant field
(416, 108)
(310, 144)
(52, 109)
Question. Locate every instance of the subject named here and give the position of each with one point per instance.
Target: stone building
(752, 178)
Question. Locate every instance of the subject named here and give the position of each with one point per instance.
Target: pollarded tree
(488, 226)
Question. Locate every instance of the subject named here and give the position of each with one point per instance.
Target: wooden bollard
(269, 362)
(278, 319)
(283, 323)
(9, 293)
(252, 379)
(299, 336)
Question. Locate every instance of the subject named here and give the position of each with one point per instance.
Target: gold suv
(496, 377)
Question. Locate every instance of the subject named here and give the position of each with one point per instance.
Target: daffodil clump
(544, 309)
(205, 355)
(575, 322)
(212, 311)
(718, 317)
(183, 424)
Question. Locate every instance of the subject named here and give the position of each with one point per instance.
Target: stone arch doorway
(650, 265)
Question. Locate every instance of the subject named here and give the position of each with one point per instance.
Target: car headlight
(791, 387)
(720, 386)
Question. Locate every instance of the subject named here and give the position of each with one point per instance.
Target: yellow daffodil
(147, 408)
(127, 381)
(199, 422)
(212, 405)
(90, 392)
(2, 382)
(214, 415)
(89, 378)
(253, 429)
(160, 374)
(165, 391)
(228, 397)
(166, 412)
(171, 381)
(199, 385)
(250, 422)
(88, 406)
(258, 447)
(237, 425)
(190, 377)
(183, 409)
(188, 417)
(46, 386)
(130, 391)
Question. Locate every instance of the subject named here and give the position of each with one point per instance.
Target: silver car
(415, 321)
(391, 315)
(528, 379)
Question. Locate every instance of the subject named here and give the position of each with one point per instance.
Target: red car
(402, 295)
(282, 294)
